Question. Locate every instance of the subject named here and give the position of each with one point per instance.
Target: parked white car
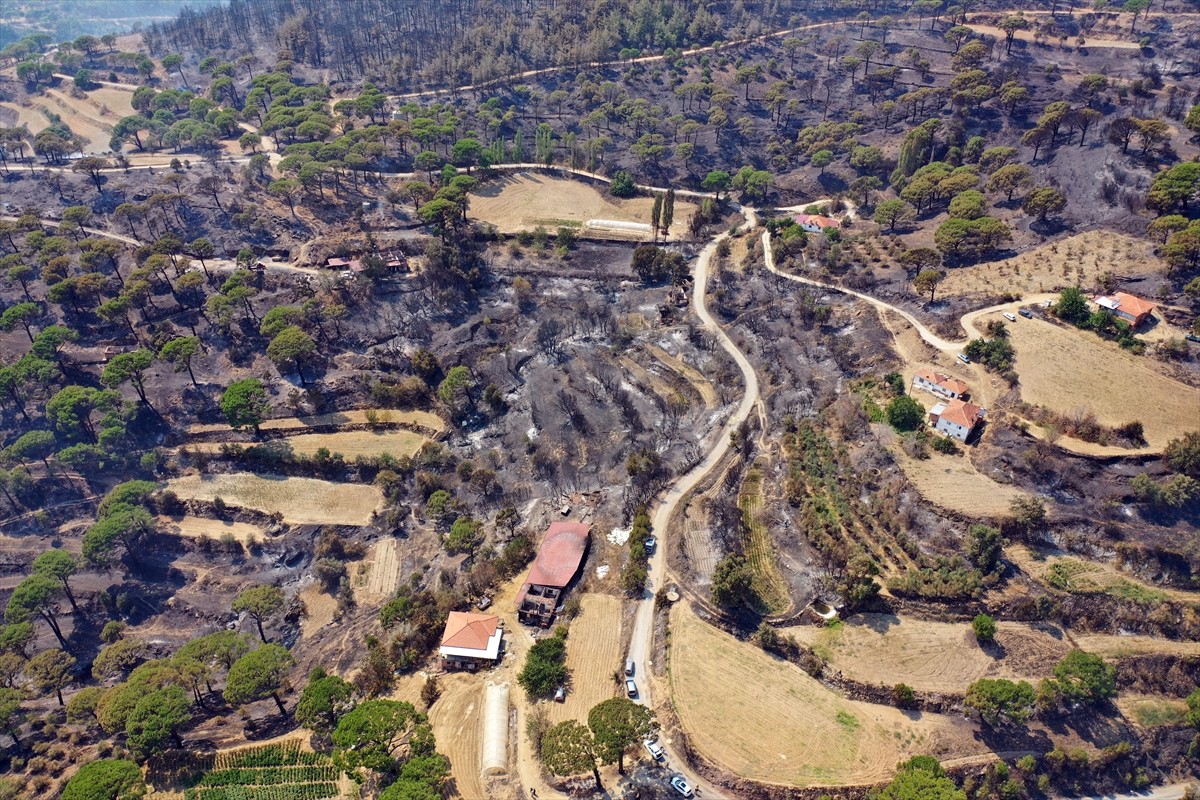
(655, 750)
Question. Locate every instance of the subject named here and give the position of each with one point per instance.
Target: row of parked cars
(678, 782)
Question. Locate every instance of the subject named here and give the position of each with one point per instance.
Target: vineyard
(281, 771)
(760, 552)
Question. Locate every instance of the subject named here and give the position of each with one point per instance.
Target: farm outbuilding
(557, 563)
(471, 640)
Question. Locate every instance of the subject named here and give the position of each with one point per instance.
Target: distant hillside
(67, 19)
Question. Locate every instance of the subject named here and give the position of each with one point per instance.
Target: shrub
(903, 695)
(984, 627)
(545, 666)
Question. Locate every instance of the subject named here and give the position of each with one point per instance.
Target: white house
(956, 418)
(470, 640)
(815, 223)
(941, 385)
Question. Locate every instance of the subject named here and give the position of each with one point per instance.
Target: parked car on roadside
(963, 357)
(630, 687)
(651, 543)
(680, 785)
(560, 694)
(1026, 313)
(655, 750)
(629, 667)
(1011, 317)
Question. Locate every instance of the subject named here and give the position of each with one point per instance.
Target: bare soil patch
(1078, 260)
(930, 656)
(594, 656)
(701, 384)
(765, 719)
(198, 527)
(1111, 646)
(383, 416)
(524, 201)
(301, 501)
(1073, 372)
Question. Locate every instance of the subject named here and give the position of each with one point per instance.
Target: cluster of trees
(634, 573)
(545, 668)
(1080, 679)
(613, 728)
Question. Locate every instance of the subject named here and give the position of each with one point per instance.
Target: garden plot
(765, 719)
(526, 201)
(1072, 372)
(457, 720)
(301, 501)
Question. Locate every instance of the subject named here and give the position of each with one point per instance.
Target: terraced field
(765, 719)
(760, 551)
(301, 501)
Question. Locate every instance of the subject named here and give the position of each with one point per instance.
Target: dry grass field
(760, 550)
(929, 656)
(1150, 711)
(1111, 646)
(1078, 260)
(320, 607)
(1091, 577)
(383, 416)
(301, 501)
(197, 527)
(1071, 371)
(765, 719)
(350, 444)
(524, 201)
(952, 482)
(457, 720)
(700, 383)
(594, 655)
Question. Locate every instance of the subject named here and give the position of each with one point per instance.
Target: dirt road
(643, 626)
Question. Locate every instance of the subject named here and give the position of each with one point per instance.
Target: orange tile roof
(1133, 305)
(469, 631)
(945, 381)
(961, 413)
(818, 219)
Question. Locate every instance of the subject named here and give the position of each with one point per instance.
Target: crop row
(287, 791)
(267, 775)
(269, 755)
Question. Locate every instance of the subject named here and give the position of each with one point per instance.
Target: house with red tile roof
(1128, 307)
(956, 418)
(941, 385)
(470, 640)
(816, 223)
(557, 562)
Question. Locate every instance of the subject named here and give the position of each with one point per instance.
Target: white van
(1010, 317)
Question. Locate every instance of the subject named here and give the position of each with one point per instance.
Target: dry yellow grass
(523, 201)
(350, 444)
(952, 482)
(1078, 260)
(457, 719)
(1120, 646)
(765, 719)
(385, 416)
(196, 527)
(301, 501)
(594, 655)
(320, 607)
(1152, 710)
(701, 384)
(928, 656)
(1071, 371)
(1087, 577)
